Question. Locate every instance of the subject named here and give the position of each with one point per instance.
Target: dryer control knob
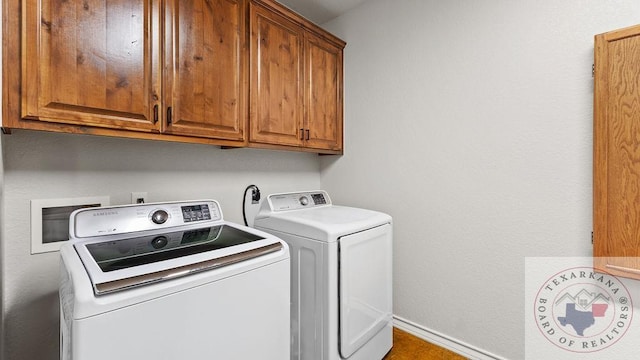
(304, 201)
(159, 216)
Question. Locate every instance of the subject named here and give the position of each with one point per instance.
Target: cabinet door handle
(301, 134)
(169, 120)
(155, 114)
(307, 134)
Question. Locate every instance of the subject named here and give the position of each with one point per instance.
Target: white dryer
(170, 281)
(341, 275)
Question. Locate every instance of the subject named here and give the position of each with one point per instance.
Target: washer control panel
(300, 200)
(115, 220)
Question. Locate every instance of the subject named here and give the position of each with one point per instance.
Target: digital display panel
(195, 213)
(318, 199)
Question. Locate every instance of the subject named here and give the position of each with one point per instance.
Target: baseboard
(442, 340)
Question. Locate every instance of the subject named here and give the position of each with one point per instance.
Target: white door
(365, 286)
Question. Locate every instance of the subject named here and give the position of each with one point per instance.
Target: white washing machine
(341, 275)
(169, 281)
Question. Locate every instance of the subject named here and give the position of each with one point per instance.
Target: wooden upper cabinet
(206, 64)
(276, 114)
(323, 98)
(98, 64)
(296, 81)
(616, 238)
(90, 62)
(223, 72)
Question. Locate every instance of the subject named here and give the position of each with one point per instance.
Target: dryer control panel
(298, 200)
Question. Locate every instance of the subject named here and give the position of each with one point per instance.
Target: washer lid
(325, 223)
(119, 264)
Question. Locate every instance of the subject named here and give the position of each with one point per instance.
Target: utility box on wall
(50, 220)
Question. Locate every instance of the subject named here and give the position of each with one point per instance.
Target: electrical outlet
(138, 197)
(255, 195)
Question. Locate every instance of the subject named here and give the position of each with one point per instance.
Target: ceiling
(321, 11)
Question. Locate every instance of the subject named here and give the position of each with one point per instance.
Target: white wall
(470, 122)
(40, 165)
(1, 212)
(2, 292)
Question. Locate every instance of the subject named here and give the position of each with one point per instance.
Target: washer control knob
(304, 201)
(159, 216)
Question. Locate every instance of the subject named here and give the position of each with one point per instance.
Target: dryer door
(365, 286)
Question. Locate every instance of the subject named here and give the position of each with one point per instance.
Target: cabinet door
(276, 99)
(205, 89)
(91, 62)
(616, 220)
(323, 100)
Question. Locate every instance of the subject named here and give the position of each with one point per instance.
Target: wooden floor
(409, 347)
